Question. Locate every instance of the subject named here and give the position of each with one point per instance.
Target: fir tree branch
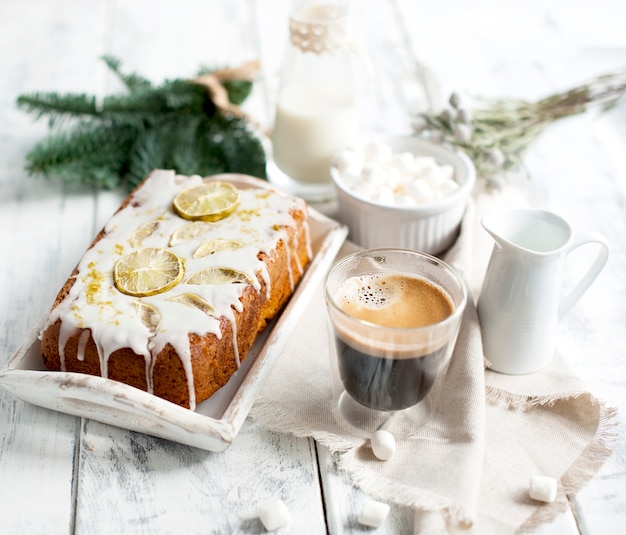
(185, 151)
(154, 106)
(57, 106)
(133, 81)
(89, 154)
(235, 133)
(138, 108)
(238, 90)
(145, 155)
(173, 126)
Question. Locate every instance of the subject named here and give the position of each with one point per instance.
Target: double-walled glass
(394, 317)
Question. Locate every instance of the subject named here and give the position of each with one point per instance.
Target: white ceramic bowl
(431, 227)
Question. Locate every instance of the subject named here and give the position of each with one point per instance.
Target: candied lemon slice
(194, 300)
(219, 275)
(142, 232)
(189, 232)
(148, 271)
(149, 316)
(211, 201)
(218, 244)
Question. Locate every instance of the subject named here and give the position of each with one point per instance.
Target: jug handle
(579, 240)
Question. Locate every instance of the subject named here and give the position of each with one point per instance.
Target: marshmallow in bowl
(374, 172)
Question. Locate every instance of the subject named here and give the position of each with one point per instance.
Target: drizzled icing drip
(82, 343)
(94, 304)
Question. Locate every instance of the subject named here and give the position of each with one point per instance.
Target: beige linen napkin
(473, 461)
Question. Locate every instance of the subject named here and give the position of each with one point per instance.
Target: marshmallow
(385, 196)
(447, 187)
(373, 172)
(421, 191)
(543, 488)
(274, 514)
(424, 162)
(448, 172)
(349, 162)
(375, 151)
(373, 514)
(434, 177)
(393, 178)
(383, 445)
(362, 189)
(404, 162)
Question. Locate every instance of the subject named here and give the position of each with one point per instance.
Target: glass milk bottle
(316, 110)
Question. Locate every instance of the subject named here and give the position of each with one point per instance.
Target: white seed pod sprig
(464, 116)
(455, 100)
(462, 133)
(495, 157)
(496, 134)
(449, 115)
(420, 124)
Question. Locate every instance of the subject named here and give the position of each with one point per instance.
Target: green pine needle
(126, 136)
(57, 106)
(238, 90)
(133, 81)
(145, 155)
(185, 151)
(88, 154)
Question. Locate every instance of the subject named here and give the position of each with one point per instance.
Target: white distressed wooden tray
(215, 422)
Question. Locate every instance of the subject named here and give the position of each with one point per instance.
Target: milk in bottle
(316, 110)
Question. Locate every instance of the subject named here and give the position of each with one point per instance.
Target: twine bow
(214, 83)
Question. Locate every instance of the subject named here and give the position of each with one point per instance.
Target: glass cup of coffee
(394, 316)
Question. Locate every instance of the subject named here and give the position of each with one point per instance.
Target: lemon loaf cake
(172, 293)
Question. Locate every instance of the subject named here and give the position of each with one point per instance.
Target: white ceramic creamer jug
(522, 301)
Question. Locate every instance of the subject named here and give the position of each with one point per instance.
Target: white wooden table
(61, 474)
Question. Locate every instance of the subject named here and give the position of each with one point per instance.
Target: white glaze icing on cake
(94, 303)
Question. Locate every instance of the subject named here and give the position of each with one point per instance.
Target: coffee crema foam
(399, 301)
(393, 301)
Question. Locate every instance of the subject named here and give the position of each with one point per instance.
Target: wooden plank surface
(61, 474)
(144, 484)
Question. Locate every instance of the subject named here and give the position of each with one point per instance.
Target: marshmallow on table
(543, 488)
(383, 444)
(373, 513)
(274, 514)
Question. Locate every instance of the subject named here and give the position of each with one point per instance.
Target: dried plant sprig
(496, 134)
